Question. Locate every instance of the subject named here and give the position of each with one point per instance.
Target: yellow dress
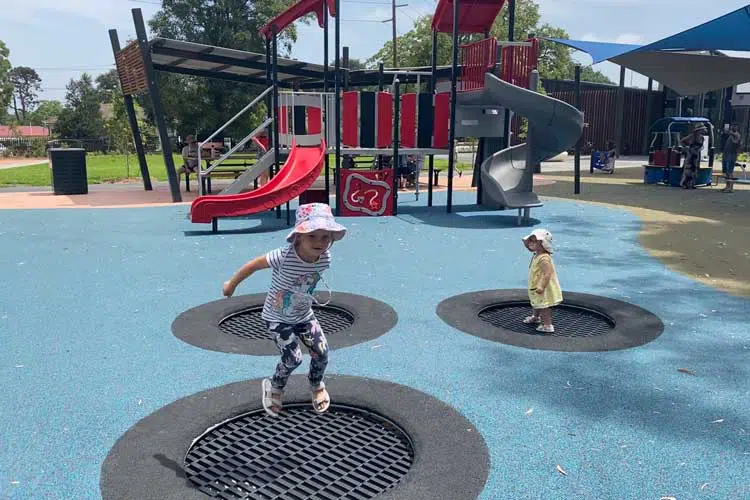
(552, 294)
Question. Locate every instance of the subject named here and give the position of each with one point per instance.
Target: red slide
(299, 172)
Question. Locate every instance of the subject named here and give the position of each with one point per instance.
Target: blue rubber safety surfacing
(89, 297)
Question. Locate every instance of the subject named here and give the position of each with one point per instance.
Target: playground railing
(518, 60)
(205, 172)
(477, 58)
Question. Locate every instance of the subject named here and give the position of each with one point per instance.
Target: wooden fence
(599, 105)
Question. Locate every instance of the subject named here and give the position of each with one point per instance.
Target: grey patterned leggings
(287, 338)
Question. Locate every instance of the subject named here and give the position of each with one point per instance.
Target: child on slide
(287, 311)
(544, 287)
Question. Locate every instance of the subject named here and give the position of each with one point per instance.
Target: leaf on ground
(718, 421)
(529, 411)
(667, 498)
(685, 370)
(704, 486)
(561, 471)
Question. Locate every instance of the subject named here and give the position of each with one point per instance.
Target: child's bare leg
(546, 316)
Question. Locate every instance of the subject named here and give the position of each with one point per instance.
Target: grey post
(133, 120)
(153, 90)
(527, 181)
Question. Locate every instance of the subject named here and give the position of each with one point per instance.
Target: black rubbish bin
(68, 170)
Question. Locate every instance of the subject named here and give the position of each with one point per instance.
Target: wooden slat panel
(131, 70)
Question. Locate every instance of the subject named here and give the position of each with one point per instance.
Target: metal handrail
(224, 157)
(252, 103)
(237, 146)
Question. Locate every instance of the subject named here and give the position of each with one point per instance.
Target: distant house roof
(24, 131)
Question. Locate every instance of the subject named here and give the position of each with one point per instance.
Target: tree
(26, 86)
(415, 46)
(118, 127)
(46, 112)
(108, 86)
(81, 117)
(193, 104)
(6, 88)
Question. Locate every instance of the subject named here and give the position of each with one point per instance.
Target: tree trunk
(15, 108)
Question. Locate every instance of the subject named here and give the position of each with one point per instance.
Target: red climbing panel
(442, 120)
(350, 119)
(384, 106)
(408, 131)
(314, 123)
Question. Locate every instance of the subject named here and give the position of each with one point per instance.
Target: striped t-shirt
(290, 298)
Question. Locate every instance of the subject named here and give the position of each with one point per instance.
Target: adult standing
(729, 156)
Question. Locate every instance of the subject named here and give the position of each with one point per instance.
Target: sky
(63, 38)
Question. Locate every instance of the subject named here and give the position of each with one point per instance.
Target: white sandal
(532, 320)
(545, 329)
(321, 405)
(271, 398)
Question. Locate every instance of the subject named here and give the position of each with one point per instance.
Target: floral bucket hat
(313, 216)
(542, 235)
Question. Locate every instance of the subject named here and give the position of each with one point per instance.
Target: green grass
(116, 168)
(99, 169)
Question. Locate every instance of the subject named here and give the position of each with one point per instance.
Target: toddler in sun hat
(287, 311)
(544, 286)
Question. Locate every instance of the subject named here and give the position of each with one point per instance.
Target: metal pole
(326, 160)
(381, 76)
(337, 79)
(133, 120)
(345, 64)
(577, 164)
(649, 101)
(452, 130)
(511, 38)
(161, 124)
(620, 111)
(396, 113)
(393, 27)
(274, 69)
(269, 101)
(433, 85)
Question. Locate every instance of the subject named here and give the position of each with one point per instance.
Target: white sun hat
(313, 216)
(542, 235)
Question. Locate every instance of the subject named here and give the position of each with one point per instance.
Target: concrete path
(17, 162)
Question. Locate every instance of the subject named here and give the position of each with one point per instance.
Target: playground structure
(665, 151)
(492, 79)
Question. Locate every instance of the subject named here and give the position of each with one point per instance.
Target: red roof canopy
(474, 16)
(299, 9)
(24, 131)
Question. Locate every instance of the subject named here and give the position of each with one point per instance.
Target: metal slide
(554, 127)
(244, 182)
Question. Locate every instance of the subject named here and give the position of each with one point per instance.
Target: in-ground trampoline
(234, 325)
(583, 322)
(378, 440)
